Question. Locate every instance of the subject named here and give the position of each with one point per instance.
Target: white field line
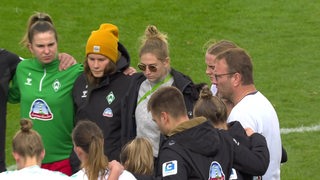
(300, 129)
(282, 131)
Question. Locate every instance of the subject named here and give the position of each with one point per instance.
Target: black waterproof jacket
(203, 152)
(102, 105)
(8, 65)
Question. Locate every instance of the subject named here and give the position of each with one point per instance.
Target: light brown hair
(238, 61)
(38, 23)
(214, 48)
(88, 136)
(27, 142)
(211, 107)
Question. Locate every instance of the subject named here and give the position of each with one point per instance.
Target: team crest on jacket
(40, 110)
(107, 112)
(216, 172)
(110, 98)
(56, 85)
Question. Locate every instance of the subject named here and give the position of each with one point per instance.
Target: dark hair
(38, 23)
(168, 99)
(93, 81)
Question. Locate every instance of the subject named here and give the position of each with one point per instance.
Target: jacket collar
(187, 125)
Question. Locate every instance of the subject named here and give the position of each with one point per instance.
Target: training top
(81, 175)
(34, 173)
(45, 97)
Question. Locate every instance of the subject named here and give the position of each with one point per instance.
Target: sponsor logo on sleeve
(169, 168)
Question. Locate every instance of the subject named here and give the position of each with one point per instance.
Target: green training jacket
(45, 96)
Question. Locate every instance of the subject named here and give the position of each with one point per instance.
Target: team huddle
(103, 120)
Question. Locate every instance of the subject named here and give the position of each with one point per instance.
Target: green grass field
(282, 36)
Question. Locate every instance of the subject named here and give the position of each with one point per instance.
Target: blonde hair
(155, 42)
(88, 136)
(38, 22)
(137, 156)
(215, 47)
(27, 142)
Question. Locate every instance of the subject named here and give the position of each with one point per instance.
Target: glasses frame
(151, 67)
(216, 76)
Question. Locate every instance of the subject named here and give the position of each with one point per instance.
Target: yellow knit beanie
(104, 41)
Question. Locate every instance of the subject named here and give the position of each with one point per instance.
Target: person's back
(88, 145)
(34, 173)
(187, 153)
(137, 157)
(81, 175)
(215, 110)
(196, 151)
(28, 152)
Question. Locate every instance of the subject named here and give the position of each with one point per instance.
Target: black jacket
(102, 104)
(200, 150)
(189, 90)
(236, 130)
(8, 64)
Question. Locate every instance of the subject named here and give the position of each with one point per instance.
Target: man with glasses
(233, 76)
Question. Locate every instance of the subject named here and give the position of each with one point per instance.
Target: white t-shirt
(80, 175)
(255, 111)
(34, 173)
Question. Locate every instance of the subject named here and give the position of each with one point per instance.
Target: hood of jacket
(124, 61)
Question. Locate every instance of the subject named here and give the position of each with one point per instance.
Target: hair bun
(205, 93)
(26, 125)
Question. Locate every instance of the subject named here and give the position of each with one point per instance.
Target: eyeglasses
(151, 67)
(216, 76)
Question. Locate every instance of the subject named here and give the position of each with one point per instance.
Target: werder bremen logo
(110, 98)
(56, 85)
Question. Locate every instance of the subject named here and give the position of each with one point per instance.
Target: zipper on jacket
(44, 75)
